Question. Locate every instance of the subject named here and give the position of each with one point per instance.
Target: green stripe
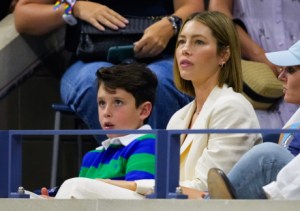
(138, 162)
(152, 136)
(113, 169)
(142, 162)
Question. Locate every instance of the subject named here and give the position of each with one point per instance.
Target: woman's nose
(186, 49)
(282, 75)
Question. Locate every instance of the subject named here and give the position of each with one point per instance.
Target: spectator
(265, 171)
(207, 62)
(78, 87)
(208, 67)
(271, 26)
(126, 94)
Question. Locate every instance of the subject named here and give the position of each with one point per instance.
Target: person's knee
(262, 152)
(267, 148)
(270, 153)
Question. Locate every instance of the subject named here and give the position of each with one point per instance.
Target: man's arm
(157, 36)
(38, 17)
(250, 49)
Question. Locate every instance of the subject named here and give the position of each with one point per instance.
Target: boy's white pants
(84, 188)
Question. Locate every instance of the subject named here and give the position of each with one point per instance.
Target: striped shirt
(130, 158)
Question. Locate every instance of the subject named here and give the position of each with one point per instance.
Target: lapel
(202, 119)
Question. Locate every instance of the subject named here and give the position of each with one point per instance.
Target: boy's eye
(101, 103)
(118, 102)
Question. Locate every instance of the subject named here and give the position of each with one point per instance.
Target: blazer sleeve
(224, 150)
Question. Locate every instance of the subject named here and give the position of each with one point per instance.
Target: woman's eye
(180, 42)
(290, 70)
(199, 42)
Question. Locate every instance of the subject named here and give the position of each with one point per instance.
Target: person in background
(78, 86)
(207, 66)
(126, 94)
(265, 26)
(269, 170)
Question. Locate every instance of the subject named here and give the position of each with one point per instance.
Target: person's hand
(44, 193)
(99, 15)
(154, 40)
(273, 67)
(193, 193)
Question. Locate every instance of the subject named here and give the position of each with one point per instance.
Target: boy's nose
(107, 111)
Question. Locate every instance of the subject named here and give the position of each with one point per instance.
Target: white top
(287, 184)
(223, 109)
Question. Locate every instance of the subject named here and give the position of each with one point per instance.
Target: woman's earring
(222, 65)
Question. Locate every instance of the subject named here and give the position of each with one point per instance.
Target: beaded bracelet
(67, 16)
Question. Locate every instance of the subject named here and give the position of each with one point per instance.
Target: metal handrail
(167, 154)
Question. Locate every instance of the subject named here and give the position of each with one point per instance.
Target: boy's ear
(146, 109)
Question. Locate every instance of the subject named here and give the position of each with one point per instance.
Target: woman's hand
(193, 193)
(99, 15)
(154, 40)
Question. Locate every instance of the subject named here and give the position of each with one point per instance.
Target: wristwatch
(175, 21)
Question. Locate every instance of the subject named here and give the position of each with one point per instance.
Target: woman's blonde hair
(223, 30)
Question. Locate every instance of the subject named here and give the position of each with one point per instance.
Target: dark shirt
(291, 141)
(140, 7)
(294, 146)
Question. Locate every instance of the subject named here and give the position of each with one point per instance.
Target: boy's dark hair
(136, 79)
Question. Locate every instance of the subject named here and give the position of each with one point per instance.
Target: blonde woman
(207, 66)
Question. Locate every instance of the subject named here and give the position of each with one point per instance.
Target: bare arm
(38, 17)
(157, 36)
(250, 49)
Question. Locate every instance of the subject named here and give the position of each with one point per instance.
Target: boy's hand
(45, 193)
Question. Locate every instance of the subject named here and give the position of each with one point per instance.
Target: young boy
(126, 94)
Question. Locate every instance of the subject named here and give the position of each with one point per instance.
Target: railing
(167, 153)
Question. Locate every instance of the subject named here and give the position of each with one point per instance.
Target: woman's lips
(185, 63)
